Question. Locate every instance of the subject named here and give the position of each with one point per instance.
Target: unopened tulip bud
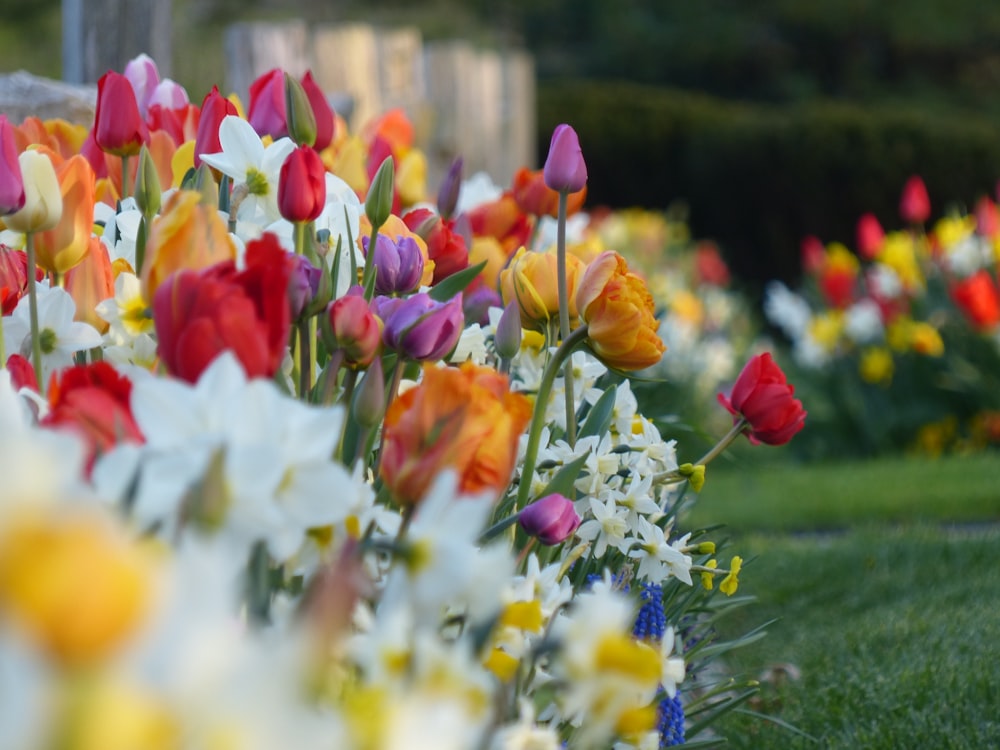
(299, 113)
(369, 404)
(42, 195)
(551, 519)
(118, 126)
(507, 339)
(147, 185)
(378, 203)
(450, 188)
(302, 185)
(352, 328)
(915, 203)
(11, 183)
(565, 170)
(325, 121)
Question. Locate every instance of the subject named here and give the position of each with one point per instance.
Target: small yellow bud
(731, 582)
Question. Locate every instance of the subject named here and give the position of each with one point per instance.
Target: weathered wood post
(102, 35)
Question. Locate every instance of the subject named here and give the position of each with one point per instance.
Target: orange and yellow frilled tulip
(74, 583)
(532, 280)
(188, 234)
(90, 282)
(465, 419)
(618, 310)
(536, 198)
(62, 247)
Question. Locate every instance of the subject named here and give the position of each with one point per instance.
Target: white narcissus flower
(245, 159)
(60, 335)
(607, 526)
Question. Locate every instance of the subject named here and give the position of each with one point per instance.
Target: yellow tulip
(532, 280)
(42, 196)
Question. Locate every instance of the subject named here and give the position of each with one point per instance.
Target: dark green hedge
(758, 178)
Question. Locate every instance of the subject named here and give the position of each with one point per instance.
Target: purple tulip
(11, 182)
(144, 76)
(169, 94)
(552, 519)
(399, 266)
(303, 284)
(450, 188)
(565, 170)
(418, 327)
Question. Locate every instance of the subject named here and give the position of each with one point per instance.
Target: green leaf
(457, 282)
(562, 482)
(599, 418)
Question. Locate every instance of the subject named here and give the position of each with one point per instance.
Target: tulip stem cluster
(565, 350)
(36, 339)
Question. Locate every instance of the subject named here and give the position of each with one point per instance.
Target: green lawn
(883, 580)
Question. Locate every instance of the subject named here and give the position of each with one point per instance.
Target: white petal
(240, 143)
(79, 336)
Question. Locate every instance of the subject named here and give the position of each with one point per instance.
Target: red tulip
(321, 111)
(915, 204)
(198, 315)
(979, 299)
(93, 401)
(213, 109)
(13, 277)
(870, 236)
(302, 185)
(445, 246)
(535, 198)
(118, 126)
(353, 329)
(267, 105)
(764, 398)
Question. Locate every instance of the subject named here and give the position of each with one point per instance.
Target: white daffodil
(60, 336)
(121, 229)
(247, 162)
(659, 559)
(127, 313)
(607, 526)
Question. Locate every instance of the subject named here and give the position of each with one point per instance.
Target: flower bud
(565, 170)
(399, 265)
(302, 185)
(507, 339)
(352, 328)
(420, 328)
(369, 403)
(42, 196)
(551, 519)
(214, 107)
(323, 114)
(300, 120)
(267, 105)
(450, 188)
(11, 183)
(695, 475)
(914, 203)
(378, 203)
(303, 284)
(147, 185)
(118, 126)
(869, 236)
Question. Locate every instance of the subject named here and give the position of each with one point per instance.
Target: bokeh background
(760, 122)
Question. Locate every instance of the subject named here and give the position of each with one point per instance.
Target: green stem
(300, 236)
(729, 437)
(36, 339)
(126, 189)
(566, 348)
(397, 376)
(330, 373)
(3, 349)
(307, 356)
(563, 286)
(350, 378)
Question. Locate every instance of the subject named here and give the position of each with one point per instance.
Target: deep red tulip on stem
(445, 246)
(118, 127)
(302, 185)
(764, 398)
(200, 314)
(214, 108)
(325, 123)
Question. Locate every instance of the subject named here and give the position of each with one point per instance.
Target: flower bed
(293, 458)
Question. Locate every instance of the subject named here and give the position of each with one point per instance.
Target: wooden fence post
(102, 35)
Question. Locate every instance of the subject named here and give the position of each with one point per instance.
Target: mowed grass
(792, 497)
(883, 580)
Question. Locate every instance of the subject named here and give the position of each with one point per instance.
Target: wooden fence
(476, 103)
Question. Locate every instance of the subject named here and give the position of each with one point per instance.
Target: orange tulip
(62, 247)
(66, 138)
(91, 282)
(532, 280)
(534, 197)
(465, 419)
(188, 234)
(618, 310)
(502, 220)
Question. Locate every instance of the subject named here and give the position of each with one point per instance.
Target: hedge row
(759, 178)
